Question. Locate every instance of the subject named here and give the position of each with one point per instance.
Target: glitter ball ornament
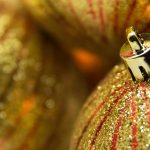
(117, 115)
(34, 77)
(96, 25)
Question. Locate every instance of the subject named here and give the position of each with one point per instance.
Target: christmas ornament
(117, 115)
(95, 25)
(34, 79)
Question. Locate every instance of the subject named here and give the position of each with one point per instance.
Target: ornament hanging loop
(135, 41)
(136, 55)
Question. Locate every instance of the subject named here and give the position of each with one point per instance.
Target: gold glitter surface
(116, 116)
(34, 105)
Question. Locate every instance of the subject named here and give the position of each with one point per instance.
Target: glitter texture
(33, 98)
(116, 116)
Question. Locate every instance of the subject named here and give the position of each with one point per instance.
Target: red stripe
(106, 116)
(134, 126)
(87, 124)
(117, 127)
(146, 101)
(102, 23)
(93, 115)
(101, 15)
(116, 134)
(115, 20)
(98, 129)
(91, 10)
(73, 10)
(78, 20)
(134, 139)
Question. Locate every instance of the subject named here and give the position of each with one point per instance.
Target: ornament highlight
(136, 54)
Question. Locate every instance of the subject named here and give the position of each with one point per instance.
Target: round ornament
(39, 90)
(95, 25)
(117, 115)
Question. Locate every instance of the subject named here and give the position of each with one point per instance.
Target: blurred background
(53, 53)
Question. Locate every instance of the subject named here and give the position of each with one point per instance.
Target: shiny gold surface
(136, 53)
(116, 116)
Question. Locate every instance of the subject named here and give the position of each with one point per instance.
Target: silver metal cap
(136, 54)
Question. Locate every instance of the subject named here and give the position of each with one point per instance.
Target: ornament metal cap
(136, 54)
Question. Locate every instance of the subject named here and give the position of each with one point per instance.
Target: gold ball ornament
(96, 25)
(117, 115)
(34, 80)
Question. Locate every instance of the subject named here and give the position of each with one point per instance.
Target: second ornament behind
(117, 115)
(39, 90)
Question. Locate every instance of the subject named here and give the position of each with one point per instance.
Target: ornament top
(136, 54)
